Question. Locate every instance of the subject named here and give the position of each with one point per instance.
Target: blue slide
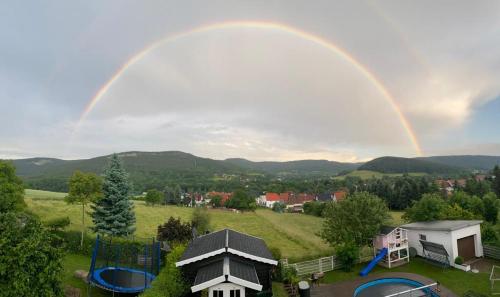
(374, 262)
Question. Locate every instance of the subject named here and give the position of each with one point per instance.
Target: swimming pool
(386, 286)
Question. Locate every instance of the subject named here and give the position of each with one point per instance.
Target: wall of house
(380, 242)
(471, 230)
(441, 237)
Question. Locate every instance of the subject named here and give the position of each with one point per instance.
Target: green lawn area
(73, 262)
(39, 194)
(293, 234)
(454, 279)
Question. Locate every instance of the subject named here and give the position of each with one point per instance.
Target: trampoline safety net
(124, 266)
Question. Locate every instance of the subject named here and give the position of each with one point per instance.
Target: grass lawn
(293, 234)
(39, 194)
(74, 262)
(454, 279)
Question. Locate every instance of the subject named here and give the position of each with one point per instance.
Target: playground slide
(373, 262)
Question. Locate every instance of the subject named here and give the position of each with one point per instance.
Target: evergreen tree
(113, 214)
(496, 180)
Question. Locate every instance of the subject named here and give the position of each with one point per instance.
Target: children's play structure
(124, 267)
(391, 249)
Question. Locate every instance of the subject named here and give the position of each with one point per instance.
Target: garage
(466, 247)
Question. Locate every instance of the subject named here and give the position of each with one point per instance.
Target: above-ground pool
(387, 286)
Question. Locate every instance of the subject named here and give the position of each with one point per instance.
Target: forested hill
(299, 167)
(155, 169)
(407, 165)
(466, 161)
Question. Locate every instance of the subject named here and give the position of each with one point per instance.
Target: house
(395, 240)
(227, 263)
(325, 197)
(269, 199)
(443, 241)
(339, 196)
(224, 196)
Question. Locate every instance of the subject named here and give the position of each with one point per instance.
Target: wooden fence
(322, 264)
(491, 252)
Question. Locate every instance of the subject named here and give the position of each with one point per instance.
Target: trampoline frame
(95, 278)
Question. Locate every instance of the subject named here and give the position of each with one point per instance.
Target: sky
(263, 80)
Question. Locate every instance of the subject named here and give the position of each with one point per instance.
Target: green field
(43, 195)
(294, 234)
(366, 174)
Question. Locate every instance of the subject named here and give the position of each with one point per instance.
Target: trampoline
(124, 267)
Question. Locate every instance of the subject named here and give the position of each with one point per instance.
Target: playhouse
(390, 247)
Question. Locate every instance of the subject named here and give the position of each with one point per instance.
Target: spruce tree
(113, 214)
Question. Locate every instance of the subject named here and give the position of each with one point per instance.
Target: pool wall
(393, 281)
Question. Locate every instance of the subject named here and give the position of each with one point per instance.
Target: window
(234, 293)
(423, 237)
(217, 293)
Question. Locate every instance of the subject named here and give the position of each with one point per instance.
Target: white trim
(208, 284)
(252, 257)
(244, 283)
(200, 257)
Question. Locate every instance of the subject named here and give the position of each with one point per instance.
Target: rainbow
(264, 26)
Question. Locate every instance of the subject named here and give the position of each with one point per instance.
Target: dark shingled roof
(209, 272)
(248, 244)
(205, 244)
(384, 230)
(237, 269)
(226, 241)
(244, 271)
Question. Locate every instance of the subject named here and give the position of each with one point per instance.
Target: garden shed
(227, 263)
(445, 240)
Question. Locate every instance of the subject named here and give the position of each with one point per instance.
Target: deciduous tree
(11, 189)
(84, 188)
(30, 265)
(356, 219)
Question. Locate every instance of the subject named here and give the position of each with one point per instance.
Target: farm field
(294, 234)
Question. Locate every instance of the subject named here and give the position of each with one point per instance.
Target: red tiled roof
(340, 195)
(272, 197)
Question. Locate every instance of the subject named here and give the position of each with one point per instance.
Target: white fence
(320, 265)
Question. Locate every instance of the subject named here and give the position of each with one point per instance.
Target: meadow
(294, 234)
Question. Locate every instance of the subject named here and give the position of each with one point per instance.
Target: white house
(446, 239)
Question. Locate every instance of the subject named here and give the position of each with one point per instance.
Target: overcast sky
(252, 92)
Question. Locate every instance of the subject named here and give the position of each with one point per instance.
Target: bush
(289, 275)
(201, 220)
(70, 241)
(459, 260)
(57, 224)
(153, 197)
(488, 233)
(279, 207)
(347, 254)
(174, 231)
(169, 282)
(30, 265)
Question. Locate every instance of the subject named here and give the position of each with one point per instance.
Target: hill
(472, 162)
(156, 169)
(408, 165)
(365, 174)
(298, 167)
